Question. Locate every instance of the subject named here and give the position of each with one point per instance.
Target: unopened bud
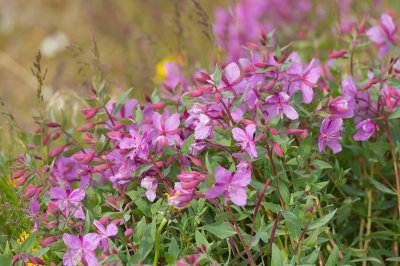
(47, 241)
(128, 232)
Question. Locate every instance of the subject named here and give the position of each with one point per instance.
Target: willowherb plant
(142, 184)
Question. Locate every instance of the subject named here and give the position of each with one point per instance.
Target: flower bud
(57, 151)
(52, 124)
(51, 224)
(19, 173)
(195, 93)
(47, 241)
(128, 232)
(337, 54)
(157, 106)
(22, 180)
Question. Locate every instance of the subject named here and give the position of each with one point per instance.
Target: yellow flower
(22, 237)
(160, 67)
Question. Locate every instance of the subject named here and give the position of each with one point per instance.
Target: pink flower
(111, 230)
(367, 129)
(279, 104)
(304, 79)
(340, 105)
(168, 127)
(150, 183)
(81, 248)
(245, 139)
(383, 34)
(232, 185)
(330, 133)
(136, 145)
(68, 201)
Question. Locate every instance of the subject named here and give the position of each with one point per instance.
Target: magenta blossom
(35, 208)
(367, 129)
(340, 106)
(383, 35)
(245, 139)
(136, 145)
(279, 104)
(232, 185)
(105, 234)
(330, 133)
(168, 127)
(150, 183)
(304, 79)
(81, 249)
(68, 201)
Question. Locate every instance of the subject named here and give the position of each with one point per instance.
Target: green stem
(158, 239)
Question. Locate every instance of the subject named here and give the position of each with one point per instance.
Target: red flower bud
(52, 124)
(253, 46)
(146, 97)
(261, 65)
(270, 85)
(47, 241)
(337, 54)
(128, 232)
(101, 167)
(91, 113)
(278, 150)
(88, 158)
(57, 151)
(22, 180)
(118, 126)
(158, 105)
(19, 173)
(168, 88)
(195, 93)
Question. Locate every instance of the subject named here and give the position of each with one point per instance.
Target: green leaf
(333, 257)
(221, 230)
(321, 164)
(138, 115)
(227, 94)
(367, 259)
(29, 243)
(277, 257)
(4, 260)
(381, 187)
(186, 145)
(121, 101)
(321, 221)
(100, 90)
(173, 248)
(395, 83)
(239, 102)
(393, 259)
(217, 76)
(200, 238)
(305, 147)
(395, 114)
(294, 225)
(141, 169)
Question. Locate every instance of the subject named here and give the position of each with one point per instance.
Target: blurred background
(123, 42)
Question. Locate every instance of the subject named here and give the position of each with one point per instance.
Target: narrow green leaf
(221, 230)
(121, 101)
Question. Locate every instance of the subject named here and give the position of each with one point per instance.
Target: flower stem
(158, 239)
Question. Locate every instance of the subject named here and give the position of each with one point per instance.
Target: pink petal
(73, 242)
(290, 112)
(69, 258)
(222, 176)
(232, 72)
(388, 23)
(334, 145)
(321, 144)
(334, 126)
(112, 230)
(239, 135)
(241, 178)
(58, 193)
(238, 196)
(100, 227)
(250, 129)
(375, 34)
(77, 195)
(214, 192)
(90, 257)
(172, 122)
(91, 241)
